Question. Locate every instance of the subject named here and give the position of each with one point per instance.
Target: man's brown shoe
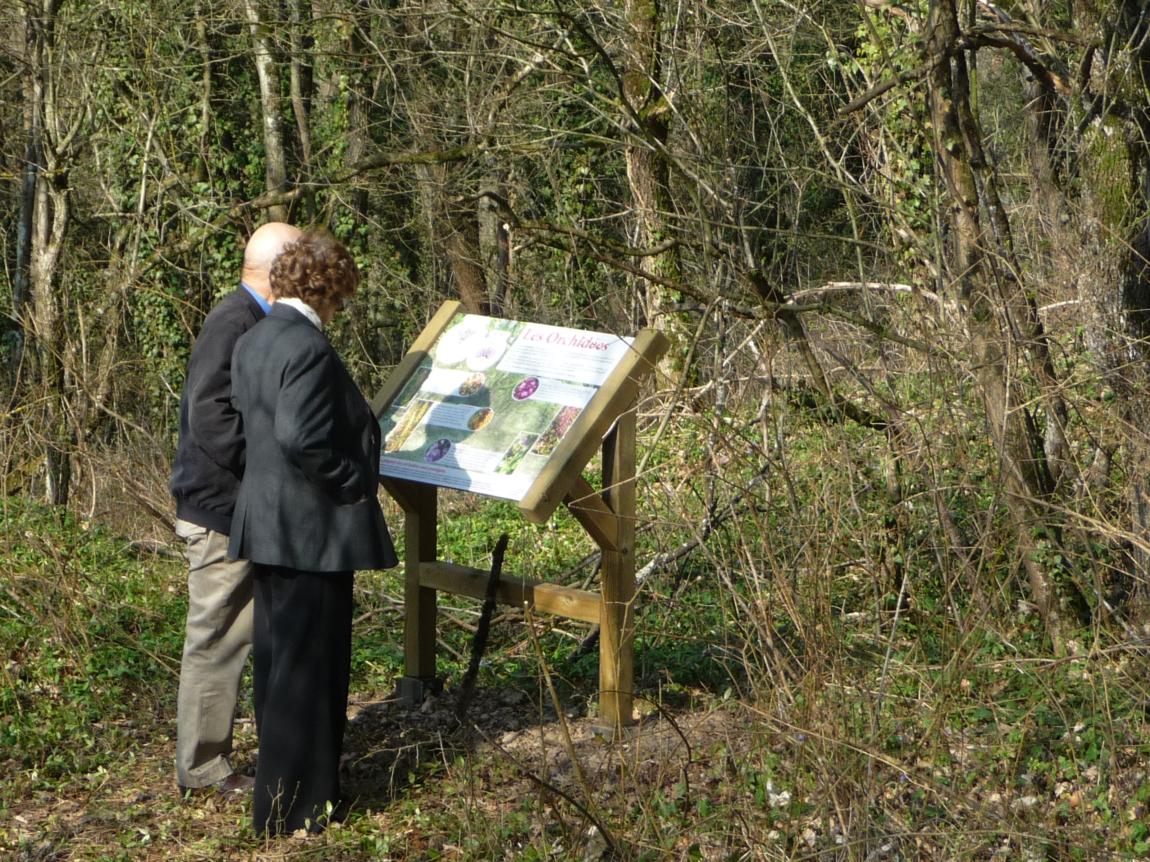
(234, 785)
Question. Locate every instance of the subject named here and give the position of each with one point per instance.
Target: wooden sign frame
(606, 424)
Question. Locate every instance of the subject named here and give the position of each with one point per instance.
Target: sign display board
(490, 401)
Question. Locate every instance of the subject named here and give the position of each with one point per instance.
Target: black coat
(308, 497)
(210, 458)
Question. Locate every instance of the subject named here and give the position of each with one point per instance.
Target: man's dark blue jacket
(210, 460)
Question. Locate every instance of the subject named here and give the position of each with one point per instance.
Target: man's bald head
(263, 247)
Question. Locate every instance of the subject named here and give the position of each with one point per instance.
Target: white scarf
(303, 308)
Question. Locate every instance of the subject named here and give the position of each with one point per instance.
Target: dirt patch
(572, 755)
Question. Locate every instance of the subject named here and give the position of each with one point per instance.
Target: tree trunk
(1133, 30)
(494, 241)
(275, 160)
(648, 170)
(1116, 289)
(51, 211)
(1026, 479)
(302, 81)
(358, 99)
(33, 147)
(204, 49)
(302, 89)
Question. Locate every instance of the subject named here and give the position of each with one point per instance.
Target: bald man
(205, 480)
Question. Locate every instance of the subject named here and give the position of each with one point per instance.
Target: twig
(482, 628)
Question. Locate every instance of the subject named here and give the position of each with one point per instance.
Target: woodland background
(895, 478)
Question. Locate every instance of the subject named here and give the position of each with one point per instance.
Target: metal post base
(413, 690)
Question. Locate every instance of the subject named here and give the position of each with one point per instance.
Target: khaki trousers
(217, 641)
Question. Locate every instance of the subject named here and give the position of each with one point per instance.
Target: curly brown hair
(316, 268)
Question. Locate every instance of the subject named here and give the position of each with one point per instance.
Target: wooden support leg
(617, 622)
(420, 541)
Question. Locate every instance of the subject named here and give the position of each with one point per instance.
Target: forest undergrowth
(815, 679)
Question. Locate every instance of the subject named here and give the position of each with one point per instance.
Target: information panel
(490, 402)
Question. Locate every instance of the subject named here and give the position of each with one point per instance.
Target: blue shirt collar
(263, 303)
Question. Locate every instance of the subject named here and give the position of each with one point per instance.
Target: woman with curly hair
(307, 517)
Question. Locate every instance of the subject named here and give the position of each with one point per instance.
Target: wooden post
(419, 503)
(617, 590)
